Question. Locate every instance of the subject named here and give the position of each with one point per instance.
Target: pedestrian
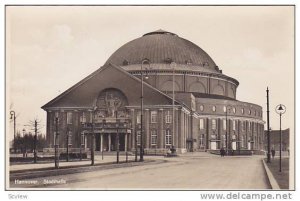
(273, 153)
(222, 152)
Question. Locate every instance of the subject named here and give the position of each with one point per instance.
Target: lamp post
(93, 137)
(13, 117)
(173, 65)
(67, 132)
(147, 62)
(226, 134)
(117, 137)
(56, 144)
(280, 109)
(268, 129)
(35, 142)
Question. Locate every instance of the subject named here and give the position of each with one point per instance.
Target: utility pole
(35, 141)
(268, 129)
(68, 144)
(56, 144)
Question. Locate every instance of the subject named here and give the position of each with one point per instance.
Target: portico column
(125, 141)
(101, 141)
(109, 142)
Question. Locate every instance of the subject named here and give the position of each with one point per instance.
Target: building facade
(188, 103)
(275, 140)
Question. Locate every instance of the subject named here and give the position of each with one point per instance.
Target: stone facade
(107, 103)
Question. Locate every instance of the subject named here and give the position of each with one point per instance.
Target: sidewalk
(63, 163)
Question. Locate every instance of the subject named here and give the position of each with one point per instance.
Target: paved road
(196, 171)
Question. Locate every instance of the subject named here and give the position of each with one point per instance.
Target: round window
(201, 108)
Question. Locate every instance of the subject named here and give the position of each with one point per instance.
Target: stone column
(109, 142)
(101, 141)
(125, 141)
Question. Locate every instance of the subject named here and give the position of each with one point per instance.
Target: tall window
(69, 117)
(214, 124)
(243, 125)
(224, 140)
(83, 118)
(153, 137)
(82, 139)
(138, 117)
(168, 137)
(153, 116)
(201, 124)
(168, 117)
(138, 137)
(249, 126)
(201, 141)
(70, 138)
(233, 125)
(224, 124)
(242, 141)
(254, 126)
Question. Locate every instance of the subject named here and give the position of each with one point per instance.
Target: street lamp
(173, 65)
(56, 144)
(117, 127)
(67, 144)
(13, 117)
(93, 137)
(144, 62)
(226, 134)
(280, 109)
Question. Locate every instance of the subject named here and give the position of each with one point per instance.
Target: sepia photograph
(143, 97)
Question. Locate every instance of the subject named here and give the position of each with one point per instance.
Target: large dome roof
(162, 47)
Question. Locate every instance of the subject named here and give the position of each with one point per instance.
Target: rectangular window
(213, 124)
(233, 125)
(168, 117)
(70, 138)
(254, 127)
(83, 118)
(201, 124)
(249, 126)
(153, 137)
(243, 125)
(69, 117)
(82, 139)
(138, 137)
(138, 117)
(243, 141)
(201, 141)
(153, 116)
(224, 124)
(168, 137)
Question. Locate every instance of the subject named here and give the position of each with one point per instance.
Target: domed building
(187, 103)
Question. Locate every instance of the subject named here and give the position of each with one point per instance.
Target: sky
(49, 49)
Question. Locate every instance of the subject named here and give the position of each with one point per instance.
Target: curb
(72, 170)
(272, 180)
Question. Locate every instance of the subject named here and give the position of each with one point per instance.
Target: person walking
(222, 152)
(273, 153)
